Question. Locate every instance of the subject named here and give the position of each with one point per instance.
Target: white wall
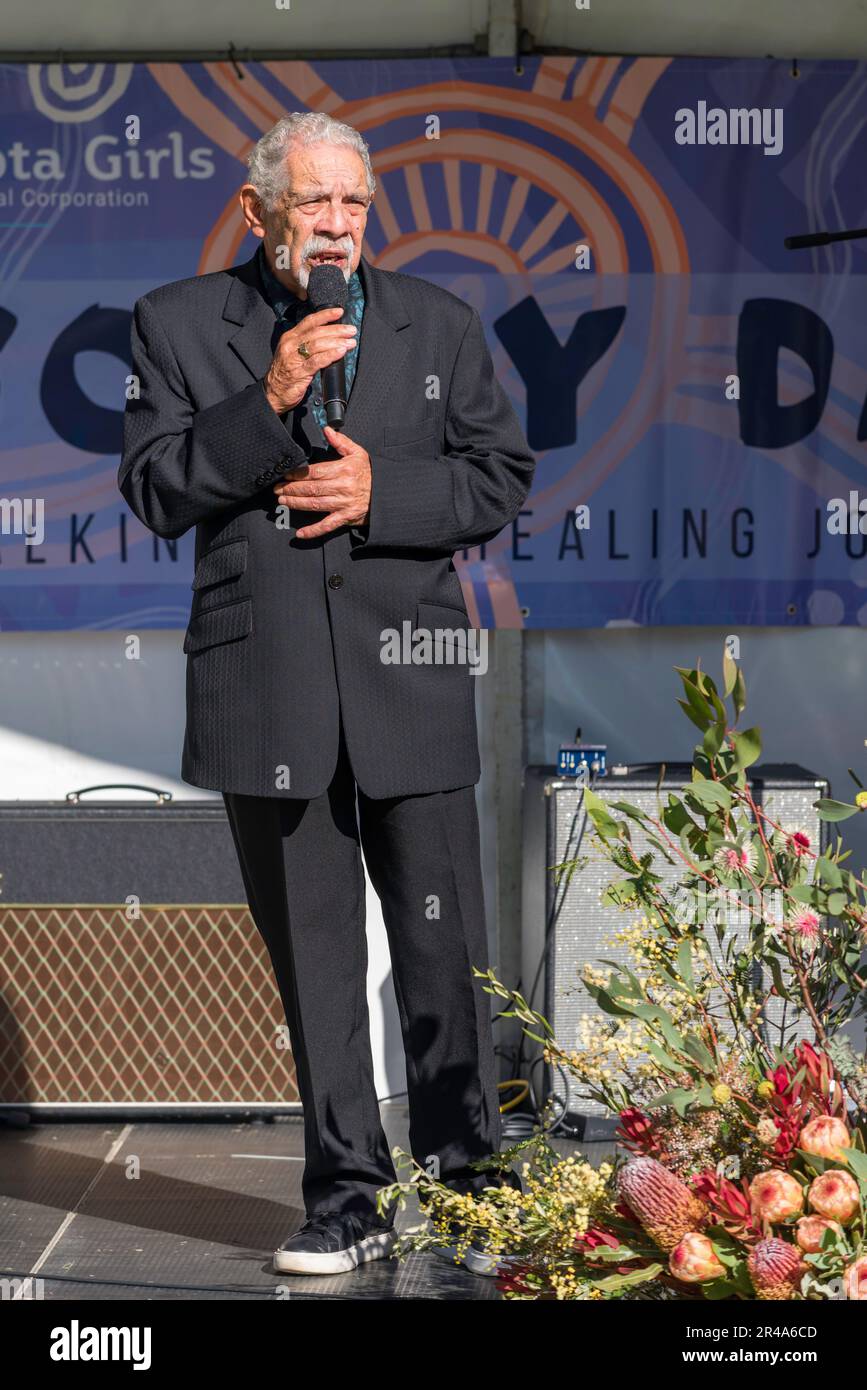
(805, 691)
(76, 712)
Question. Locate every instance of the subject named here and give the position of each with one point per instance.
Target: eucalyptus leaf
(624, 1281)
(629, 810)
(679, 1099)
(596, 809)
(713, 739)
(739, 695)
(831, 810)
(662, 1057)
(827, 871)
(699, 720)
(857, 1161)
(684, 964)
(748, 747)
(700, 1054)
(712, 795)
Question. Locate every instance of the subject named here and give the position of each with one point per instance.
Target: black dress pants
(302, 868)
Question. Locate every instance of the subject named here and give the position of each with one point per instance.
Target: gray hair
(266, 161)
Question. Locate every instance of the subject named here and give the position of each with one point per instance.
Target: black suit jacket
(285, 635)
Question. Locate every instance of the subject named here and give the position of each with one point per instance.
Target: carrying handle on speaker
(161, 796)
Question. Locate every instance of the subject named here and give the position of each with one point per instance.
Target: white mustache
(313, 248)
(316, 244)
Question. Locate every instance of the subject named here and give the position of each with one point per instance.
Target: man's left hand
(340, 487)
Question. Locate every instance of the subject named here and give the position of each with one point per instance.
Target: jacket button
(335, 581)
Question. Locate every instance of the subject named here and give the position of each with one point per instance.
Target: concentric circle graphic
(575, 122)
(75, 92)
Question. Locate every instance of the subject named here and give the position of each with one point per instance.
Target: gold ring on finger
(303, 350)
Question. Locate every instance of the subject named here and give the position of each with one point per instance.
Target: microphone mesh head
(327, 288)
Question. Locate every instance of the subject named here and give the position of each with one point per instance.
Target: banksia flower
(767, 1132)
(664, 1205)
(776, 1269)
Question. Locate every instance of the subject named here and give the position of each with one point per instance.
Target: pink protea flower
(856, 1280)
(809, 1231)
(694, 1260)
(827, 1136)
(776, 1195)
(835, 1194)
(775, 1268)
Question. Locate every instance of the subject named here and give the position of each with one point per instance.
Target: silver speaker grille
(581, 929)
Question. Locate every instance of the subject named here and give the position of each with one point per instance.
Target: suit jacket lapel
(257, 337)
(247, 306)
(381, 355)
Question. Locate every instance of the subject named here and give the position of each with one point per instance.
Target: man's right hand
(290, 374)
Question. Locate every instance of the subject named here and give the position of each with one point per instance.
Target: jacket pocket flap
(216, 625)
(440, 615)
(223, 562)
(402, 437)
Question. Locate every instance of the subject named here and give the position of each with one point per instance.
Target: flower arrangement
(742, 1171)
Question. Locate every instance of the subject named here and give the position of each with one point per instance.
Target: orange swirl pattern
(564, 103)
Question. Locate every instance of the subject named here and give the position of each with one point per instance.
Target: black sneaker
(334, 1243)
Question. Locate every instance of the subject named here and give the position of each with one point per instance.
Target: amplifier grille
(178, 1006)
(581, 928)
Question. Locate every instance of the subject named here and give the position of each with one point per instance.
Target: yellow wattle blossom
(722, 1093)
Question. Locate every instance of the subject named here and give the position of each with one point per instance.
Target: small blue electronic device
(585, 760)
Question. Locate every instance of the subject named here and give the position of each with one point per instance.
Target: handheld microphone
(327, 289)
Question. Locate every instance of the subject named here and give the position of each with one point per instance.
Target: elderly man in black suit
(312, 544)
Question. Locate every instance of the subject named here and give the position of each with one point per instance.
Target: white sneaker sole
(374, 1247)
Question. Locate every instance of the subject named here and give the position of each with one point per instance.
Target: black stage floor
(171, 1211)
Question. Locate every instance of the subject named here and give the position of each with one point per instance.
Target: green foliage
(761, 878)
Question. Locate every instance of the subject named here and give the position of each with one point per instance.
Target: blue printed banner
(694, 393)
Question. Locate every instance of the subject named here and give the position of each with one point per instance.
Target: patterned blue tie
(288, 309)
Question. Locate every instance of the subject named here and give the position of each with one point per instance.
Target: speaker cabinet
(132, 976)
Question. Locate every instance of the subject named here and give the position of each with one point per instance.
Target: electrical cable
(557, 903)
